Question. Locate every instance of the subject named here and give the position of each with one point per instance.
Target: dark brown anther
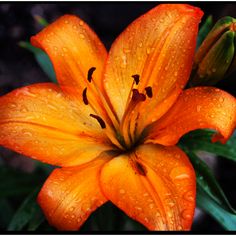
(138, 97)
(90, 73)
(149, 91)
(140, 168)
(85, 99)
(136, 79)
(100, 120)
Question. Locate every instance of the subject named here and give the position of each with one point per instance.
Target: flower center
(121, 133)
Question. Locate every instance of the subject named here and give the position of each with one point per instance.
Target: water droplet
(179, 227)
(158, 214)
(199, 108)
(81, 36)
(64, 49)
(148, 50)
(189, 196)
(171, 203)
(181, 176)
(122, 191)
(126, 50)
(176, 73)
(66, 22)
(138, 208)
(221, 99)
(12, 105)
(140, 44)
(81, 23)
(72, 208)
(169, 214)
(186, 215)
(151, 206)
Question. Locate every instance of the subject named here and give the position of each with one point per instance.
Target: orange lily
(113, 121)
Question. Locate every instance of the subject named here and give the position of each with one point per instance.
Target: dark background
(19, 68)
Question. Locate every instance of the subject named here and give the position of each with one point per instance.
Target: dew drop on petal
(189, 196)
(199, 108)
(221, 99)
(186, 215)
(122, 191)
(179, 227)
(151, 206)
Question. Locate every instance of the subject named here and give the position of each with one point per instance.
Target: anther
(149, 91)
(138, 97)
(85, 99)
(90, 73)
(100, 120)
(136, 79)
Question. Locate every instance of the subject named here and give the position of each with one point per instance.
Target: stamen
(85, 99)
(138, 97)
(149, 91)
(136, 79)
(90, 73)
(100, 120)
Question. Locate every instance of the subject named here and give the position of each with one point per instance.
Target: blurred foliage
(42, 59)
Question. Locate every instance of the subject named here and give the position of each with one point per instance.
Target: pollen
(100, 120)
(90, 73)
(149, 91)
(85, 99)
(136, 79)
(138, 97)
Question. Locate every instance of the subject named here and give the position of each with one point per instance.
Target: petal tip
(194, 10)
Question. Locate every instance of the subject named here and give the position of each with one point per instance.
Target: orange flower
(113, 121)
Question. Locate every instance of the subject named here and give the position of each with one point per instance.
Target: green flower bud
(215, 58)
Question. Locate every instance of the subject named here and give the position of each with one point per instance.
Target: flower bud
(215, 58)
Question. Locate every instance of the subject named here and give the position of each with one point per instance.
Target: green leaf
(25, 213)
(201, 140)
(42, 59)
(36, 220)
(16, 183)
(205, 202)
(204, 30)
(207, 181)
(40, 20)
(5, 213)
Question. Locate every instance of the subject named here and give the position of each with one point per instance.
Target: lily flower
(112, 122)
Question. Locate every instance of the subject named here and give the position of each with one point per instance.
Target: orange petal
(77, 55)
(71, 194)
(154, 185)
(41, 122)
(196, 108)
(158, 46)
(73, 49)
